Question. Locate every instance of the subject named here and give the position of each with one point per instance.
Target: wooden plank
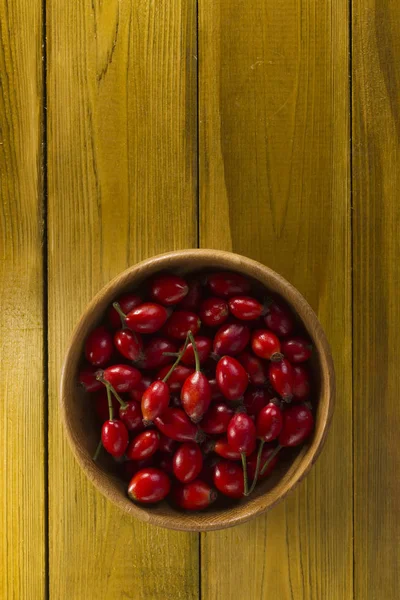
(22, 448)
(376, 250)
(274, 185)
(122, 186)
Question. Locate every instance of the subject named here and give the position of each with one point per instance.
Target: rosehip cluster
(188, 377)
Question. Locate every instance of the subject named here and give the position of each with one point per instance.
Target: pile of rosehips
(188, 377)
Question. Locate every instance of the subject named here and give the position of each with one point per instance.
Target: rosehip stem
(98, 449)
(269, 460)
(178, 359)
(121, 314)
(110, 406)
(196, 354)
(253, 485)
(245, 481)
(112, 390)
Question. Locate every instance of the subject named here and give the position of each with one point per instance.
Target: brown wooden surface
(376, 280)
(22, 443)
(267, 115)
(121, 151)
(274, 185)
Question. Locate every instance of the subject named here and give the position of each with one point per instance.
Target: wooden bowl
(83, 432)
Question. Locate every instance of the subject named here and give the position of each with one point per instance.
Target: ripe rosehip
(177, 378)
(114, 437)
(269, 422)
(241, 434)
(231, 377)
(168, 289)
(256, 369)
(131, 416)
(156, 353)
(231, 339)
(216, 419)
(146, 318)
(149, 486)
(155, 400)
(228, 479)
(265, 344)
(195, 495)
(175, 424)
(99, 346)
(187, 462)
(127, 302)
(298, 424)
(281, 375)
(245, 308)
(301, 384)
(180, 322)
(297, 349)
(123, 378)
(87, 379)
(129, 344)
(214, 312)
(279, 319)
(144, 445)
(227, 284)
(204, 347)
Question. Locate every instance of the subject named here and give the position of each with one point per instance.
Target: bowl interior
(83, 430)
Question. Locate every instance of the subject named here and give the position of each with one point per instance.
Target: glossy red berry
(175, 424)
(99, 346)
(281, 375)
(127, 302)
(223, 448)
(204, 347)
(149, 486)
(196, 396)
(187, 462)
(216, 419)
(298, 424)
(114, 437)
(156, 353)
(180, 322)
(231, 339)
(255, 399)
(177, 378)
(302, 383)
(297, 349)
(231, 377)
(214, 312)
(269, 422)
(168, 289)
(155, 400)
(266, 453)
(241, 434)
(256, 369)
(144, 445)
(193, 298)
(101, 405)
(147, 318)
(227, 284)
(265, 344)
(131, 416)
(195, 495)
(87, 379)
(167, 444)
(129, 344)
(279, 319)
(123, 378)
(228, 479)
(245, 308)
(140, 389)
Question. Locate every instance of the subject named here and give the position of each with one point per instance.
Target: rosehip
(123, 378)
(149, 486)
(156, 353)
(187, 462)
(131, 416)
(255, 367)
(180, 323)
(195, 495)
(216, 419)
(231, 339)
(204, 347)
(227, 284)
(214, 312)
(144, 445)
(281, 375)
(241, 434)
(146, 318)
(177, 377)
(99, 346)
(175, 424)
(126, 303)
(101, 404)
(155, 400)
(265, 344)
(245, 308)
(297, 349)
(269, 422)
(255, 399)
(87, 379)
(223, 448)
(298, 423)
(129, 344)
(114, 437)
(168, 289)
(279, 319)
(193, 298)
(140, 389)
(228, 479)
(231, 377)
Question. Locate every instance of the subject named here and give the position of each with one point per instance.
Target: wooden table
(271, 128)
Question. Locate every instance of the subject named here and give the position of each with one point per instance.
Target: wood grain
(376, 251)
(274, 185)
(122, 185)
(22, 455)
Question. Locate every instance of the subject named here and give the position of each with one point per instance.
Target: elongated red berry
(281, 375)
(129, 344)
(196, 396)
(302, 383)
(168, 289)
(155, 400)
(228, 479)
(231, 339)
(216, 419)
(180, 323)
(123, 378)
(245, 308)
(269, 422)
(297, 349)
(231, 377)
(88, 380)
(114, 437)
(222, 447)
(177, 378)
(195, 495)
(187, 462)
(127, 302)
(241, 433)
(227, 284)
(265, 344)
(214, 312)
(156, 353)
(298, 424)
(279, 319)
(256, 368)
(147, 318)
(99, 346)
(131, 416)
(144, 445)
(175, 424)
(149, 486)
(204, 346)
